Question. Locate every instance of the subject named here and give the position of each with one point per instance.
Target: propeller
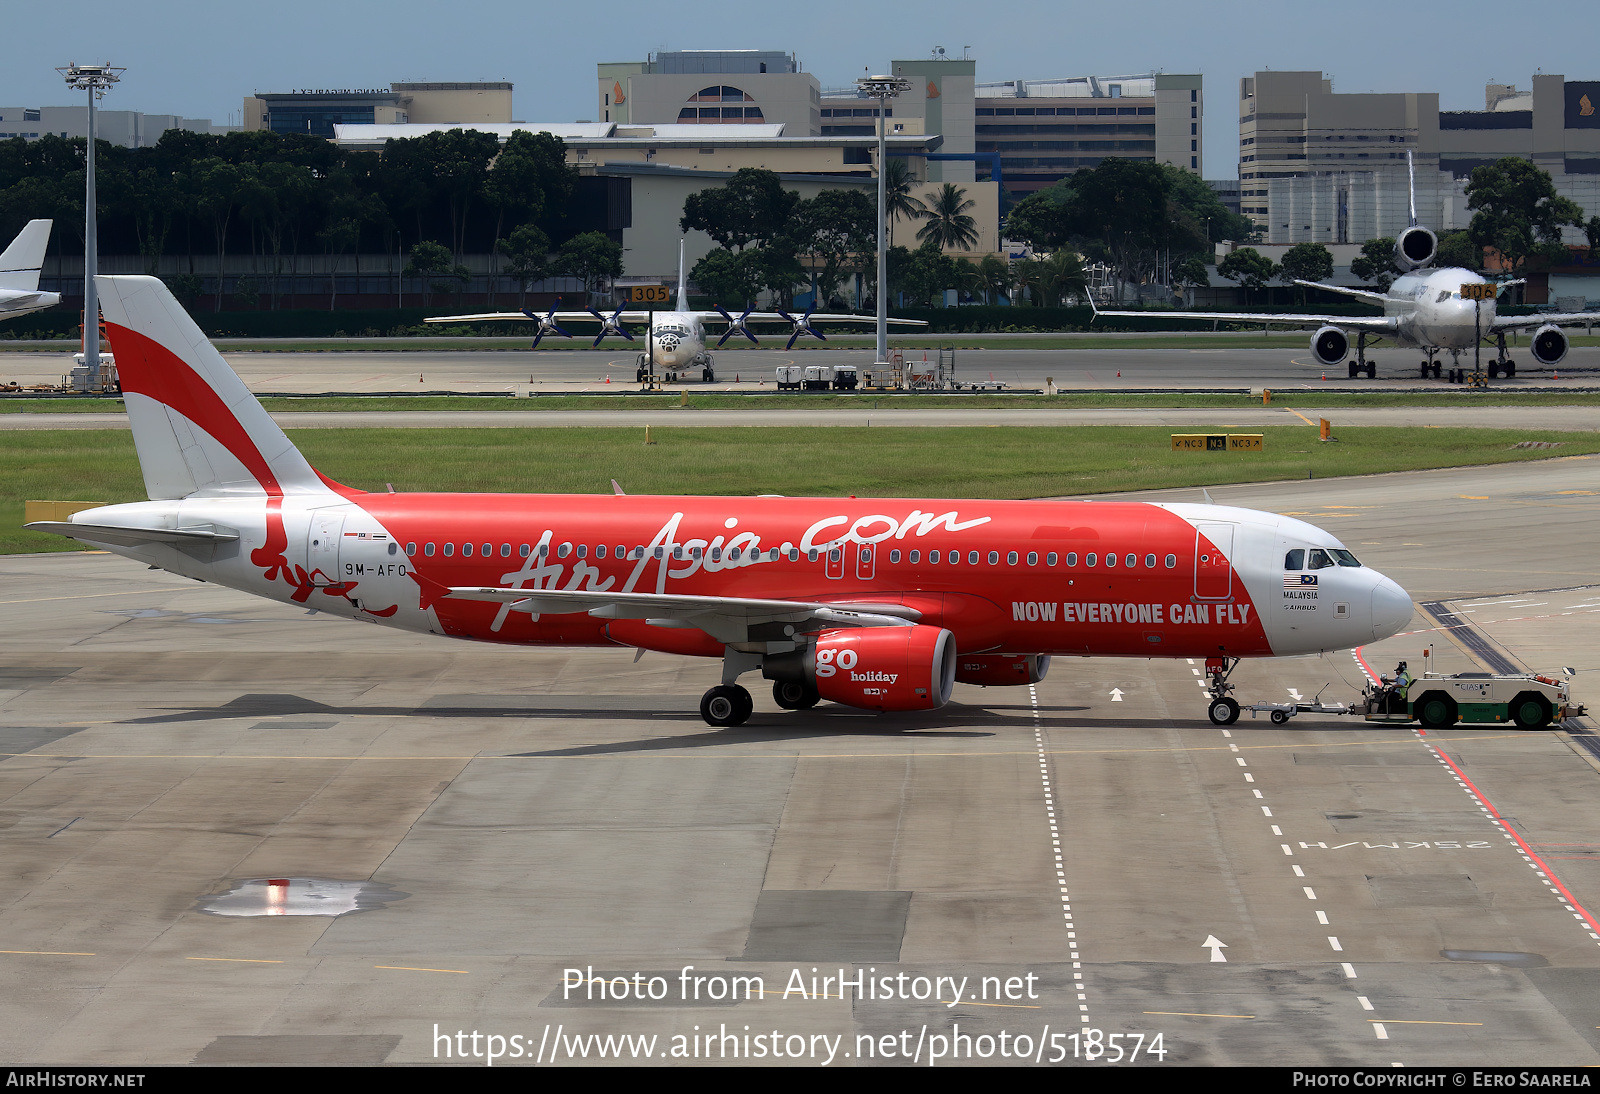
(547, 325)
(803, 325)
(736, 326)
(610, 325)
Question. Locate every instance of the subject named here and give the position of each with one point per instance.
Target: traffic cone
(608, 377)
(419, 377)
(1119, 372)
(1324, 375)
(1555, 376)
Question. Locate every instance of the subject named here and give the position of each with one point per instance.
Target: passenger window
(427, 549)
(735, 554)
(488, 549)
(772, 555)
(1149, 562)
(994, 558)
(1295, 559)
(677, 551)
(1111, 558)
(411, 549)
(1319, 559)
(894, 556)
(972, 558)
(524, 550)
(1131, 561)
(466, 550)
(1050, 559)
(566, 549)
(1072, 558)
(599, 551)
(505, 551)
(698, 552)
(716, 554)
(1088, 559)
(449, 549)
(1033, 558)
(583, 550)
(660, 552)
(933, 558)
(544, 550)
(1172, 561)
(1011, 558)
(916, 557)
(811, 555)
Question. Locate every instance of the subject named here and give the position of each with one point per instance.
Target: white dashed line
(1055, 843)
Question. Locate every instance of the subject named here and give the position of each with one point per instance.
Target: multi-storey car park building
(129, 128)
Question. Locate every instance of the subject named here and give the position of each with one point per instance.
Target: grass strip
(982, 462)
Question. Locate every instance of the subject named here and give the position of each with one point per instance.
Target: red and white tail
(197, 428)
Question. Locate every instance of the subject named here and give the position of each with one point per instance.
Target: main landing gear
(726, 705)
(1430, 366)
(1361, 364)
(1224, 709)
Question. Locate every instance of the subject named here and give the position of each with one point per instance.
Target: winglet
(1204, 493)
(1094, 312)
(616, 488)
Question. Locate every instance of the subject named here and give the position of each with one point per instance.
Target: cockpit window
(1319, 559)
(1345, 558)
(1444, 294)
(1295, 559)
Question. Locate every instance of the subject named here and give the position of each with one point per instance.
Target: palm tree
(949, 224)
(897, 200)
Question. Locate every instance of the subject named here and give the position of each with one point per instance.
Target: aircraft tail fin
(22, 261)
(683, 284)
(1411, 179)
(196, 427)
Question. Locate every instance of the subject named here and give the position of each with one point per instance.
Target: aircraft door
(322, 545)
(866, 561)
(833, 564)
(1213, 574)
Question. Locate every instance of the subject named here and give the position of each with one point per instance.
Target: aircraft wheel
(1436, 710)
(1372, 370)
(1494, 370)
(1511, 369)
(1280, 717)
(1354, 370)
(726, 705)
(1223, 711)
(1422, 371)
(1436, 367)
(794, 695)
(1530, 710)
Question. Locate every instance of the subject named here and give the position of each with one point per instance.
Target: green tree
(948, 222)
(1188, 275)
(1249, 267)
(529, 180)
(589, 257)
(1592, 230)
(828, 231)
(996, 277)
(732, 279)
(1457, 249)
(898, 204)
(928, 274)
(527, 255)
(428, 260)
(752, 207)
(458, 160)
(1518, 212)
(1375, 264)
(1306, 262)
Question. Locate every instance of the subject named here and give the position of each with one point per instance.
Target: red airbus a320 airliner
(877, 603)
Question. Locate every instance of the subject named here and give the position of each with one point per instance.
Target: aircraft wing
(726, 618)
(1558, 319)
(816, 317)
(1376, 324)
(560, 317)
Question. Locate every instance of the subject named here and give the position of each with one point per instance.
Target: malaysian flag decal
(1295, 581)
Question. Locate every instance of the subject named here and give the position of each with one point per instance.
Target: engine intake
(879, 668)
(1549, 345)
(1003, 670)
(1330, 345)
(1415, 247)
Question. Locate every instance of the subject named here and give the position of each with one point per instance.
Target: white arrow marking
(1116, 695)
(1216, 947)
(1295, 695)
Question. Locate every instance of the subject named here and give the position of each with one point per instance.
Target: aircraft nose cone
(1391, 609)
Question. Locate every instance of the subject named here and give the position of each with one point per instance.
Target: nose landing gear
(1223, 709)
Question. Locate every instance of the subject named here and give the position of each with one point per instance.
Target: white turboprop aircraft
(678, 336)
(1423, 309)
(19, 272)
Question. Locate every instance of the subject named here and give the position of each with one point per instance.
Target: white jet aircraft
(1423, 309)
(19, 272)
(679, 335)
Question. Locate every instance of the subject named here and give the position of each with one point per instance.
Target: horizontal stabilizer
(123, 536)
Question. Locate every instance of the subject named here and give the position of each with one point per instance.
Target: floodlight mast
(96, 80)
(883, 88)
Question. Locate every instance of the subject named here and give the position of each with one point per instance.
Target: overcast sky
(200, 59)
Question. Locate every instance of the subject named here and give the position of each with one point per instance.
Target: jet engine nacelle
(1329, 345)
(1002, 670)
(1549, 345)
(877, 668)
(1415, 247)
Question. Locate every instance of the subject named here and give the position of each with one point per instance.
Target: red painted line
(1551, 874)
